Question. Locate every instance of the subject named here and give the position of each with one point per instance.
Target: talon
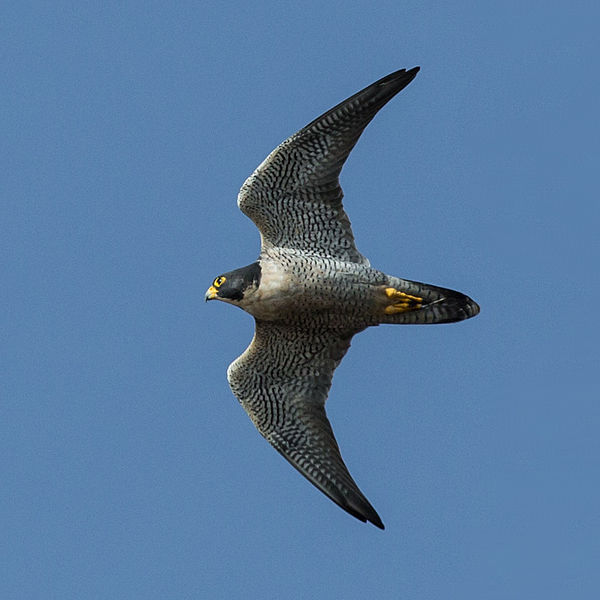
(397, 294)
(402, 302)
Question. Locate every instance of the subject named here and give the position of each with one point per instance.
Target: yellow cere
(219, 281)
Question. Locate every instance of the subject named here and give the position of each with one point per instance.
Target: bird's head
(234, 286)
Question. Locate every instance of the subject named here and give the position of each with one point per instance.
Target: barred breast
(296, 287)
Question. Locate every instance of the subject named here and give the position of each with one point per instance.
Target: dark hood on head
(239, 280)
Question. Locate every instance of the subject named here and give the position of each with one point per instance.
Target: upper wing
(282, 381)
(294, 196)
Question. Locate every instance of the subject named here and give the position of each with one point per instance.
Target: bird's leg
(399, 302)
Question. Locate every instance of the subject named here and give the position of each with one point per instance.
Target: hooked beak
(211, 293)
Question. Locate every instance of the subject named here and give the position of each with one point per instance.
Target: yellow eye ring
(219, 281)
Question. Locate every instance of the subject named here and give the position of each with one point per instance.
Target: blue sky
(129, 470)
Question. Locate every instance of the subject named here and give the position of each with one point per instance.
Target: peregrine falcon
(311, 290)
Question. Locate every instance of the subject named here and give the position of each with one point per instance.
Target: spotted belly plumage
(311, 291)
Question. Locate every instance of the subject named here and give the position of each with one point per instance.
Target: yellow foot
(401, 302)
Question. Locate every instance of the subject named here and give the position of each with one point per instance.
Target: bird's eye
(219, 281)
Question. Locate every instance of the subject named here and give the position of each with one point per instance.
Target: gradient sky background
(128, 468)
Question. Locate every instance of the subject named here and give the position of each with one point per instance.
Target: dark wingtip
(370, 514)
(377, 522)
(363, 511)
(370, 517)
(412, 73)
(402, 75)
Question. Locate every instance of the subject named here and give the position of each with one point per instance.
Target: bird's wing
(282, 381)
(294, 196)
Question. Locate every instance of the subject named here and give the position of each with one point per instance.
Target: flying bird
(311, 290)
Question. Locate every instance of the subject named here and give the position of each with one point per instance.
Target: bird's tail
(420, 303)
